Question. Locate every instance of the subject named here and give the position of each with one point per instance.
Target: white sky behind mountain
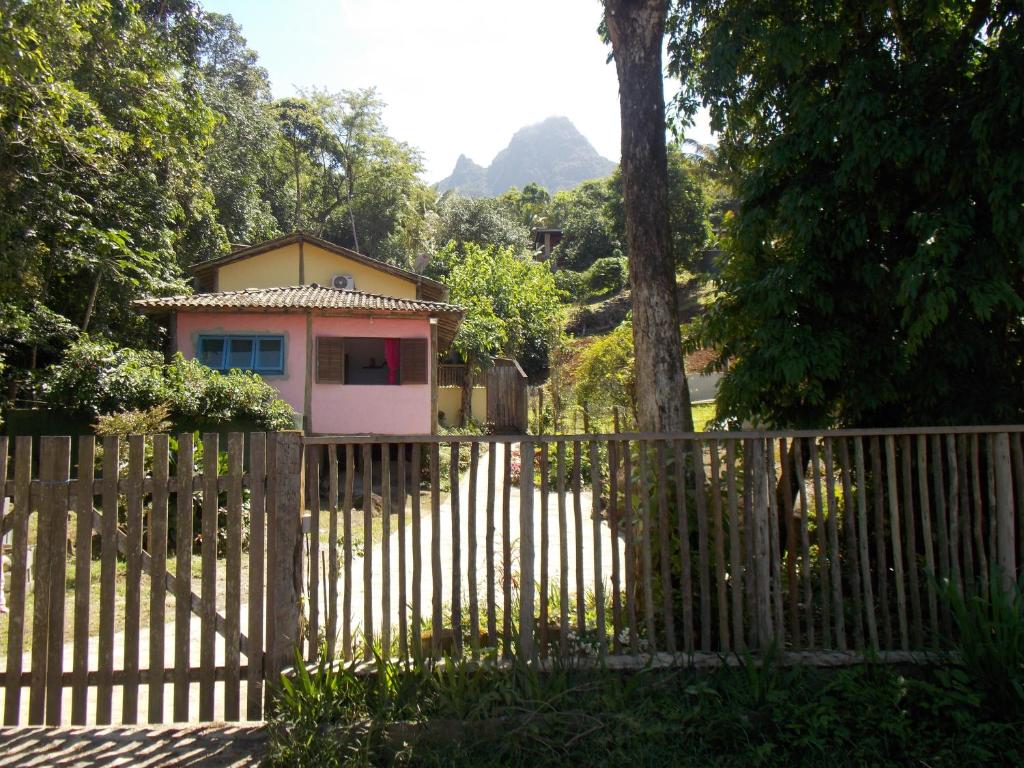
(458, 76)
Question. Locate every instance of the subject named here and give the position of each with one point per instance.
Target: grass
(471, 714)
(702, 414)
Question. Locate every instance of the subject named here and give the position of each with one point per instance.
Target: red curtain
(392, 354)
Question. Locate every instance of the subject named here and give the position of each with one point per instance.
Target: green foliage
(607, 276)
(97, 378)
(512, 306)
(573, 285)
(990, 641)
(688, 206)
(604, 372)
(150, 421)
(465, 221)
(589, 230)
(873, 274)
(757, 713)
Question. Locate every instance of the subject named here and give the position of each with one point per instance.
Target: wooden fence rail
(423, 546)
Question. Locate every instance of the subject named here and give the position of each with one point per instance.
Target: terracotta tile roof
(296, 297)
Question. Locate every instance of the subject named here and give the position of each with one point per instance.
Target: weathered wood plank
(595, 498)
(385, 550)
(805, 542)
(1005, 555)
(909, 520)
(686, 565)
(435, 552)
(455, 503)
(257, 546)
(368, 550)
(881, 569)
(233, 579)
(347, 512)
(57, 472)
(897, 543)
(108, 564)
(545, 537)
(183, 537)
(83, 575)
(931, 575)
(703, 537)
(614, 511)
(506, 553)
(833, 545)
(403, 605)
(333, 491)
(662, 536)
(820, 537)
(527, 585)
(313, 462)
(629, 523)
(471, 534)
(417, 553)
(647, 579)
(157, 572)
(489, 574)
(862, 536)
(577, 512)
(735, 552)
(563, 552)
(208, 572)
(792, 587)
(851, 545)
(19, 575)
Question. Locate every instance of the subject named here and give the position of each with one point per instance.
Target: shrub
(572, 284)
(97, 378)
(607, 276)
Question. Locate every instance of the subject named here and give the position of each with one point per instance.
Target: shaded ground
(211, 746)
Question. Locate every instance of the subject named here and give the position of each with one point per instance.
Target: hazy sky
(458, 76)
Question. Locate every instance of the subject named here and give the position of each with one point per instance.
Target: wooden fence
(611, 544)
(585, 545)
(134, 536)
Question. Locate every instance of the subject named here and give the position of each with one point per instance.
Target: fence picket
(108, 575)
(862, 538)
(820, 536)
(368, 548)
(332, 551)
(417, 553)
(735, 553)
(435, 552)
(645, 548)
(471, 535)
(805, 542)
(909, 519)
(612, 448)
(881, 569)
(233, 578)
(664, 555)
(257, 544)
(492, 619)
(897, 543)
(183, 536)
(83, 574)
(347, 511)
(56, 472)
(577, 512)
(385, 550)
(506, 553)
(454, 503)
(208, 585)
(931, 575)
(312, 492)
(158, 574)
(833, 544)
(629, 522)
(595, 497)
(850, 541)
(792, 588)
(563, 553)
(683, 522)
(403, 624)
(703, 559)
(19, 575)
(542, 629)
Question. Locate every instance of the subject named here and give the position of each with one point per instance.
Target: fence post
(1004, 512)
(284, 552)
(526, 553)
(762, 565)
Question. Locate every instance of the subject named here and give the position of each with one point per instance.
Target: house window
(371, 361)
(261, 354)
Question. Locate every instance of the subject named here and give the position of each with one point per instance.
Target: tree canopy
(873, 274)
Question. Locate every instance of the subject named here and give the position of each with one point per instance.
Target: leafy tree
(464, 222)
(687, 206)
(102, 137)
(636, 30)
(512, 309)
(874, 271)
(604, 372)
(237, 89)
(589, 230)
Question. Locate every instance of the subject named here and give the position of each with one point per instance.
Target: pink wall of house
(336, 408)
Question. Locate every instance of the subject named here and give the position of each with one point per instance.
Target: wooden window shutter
(330, 360)
(413, 366)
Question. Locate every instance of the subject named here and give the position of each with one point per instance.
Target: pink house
(360, 359)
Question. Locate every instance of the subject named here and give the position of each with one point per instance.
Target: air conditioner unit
(343, 282)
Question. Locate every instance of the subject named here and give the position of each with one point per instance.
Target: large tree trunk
(636, 29)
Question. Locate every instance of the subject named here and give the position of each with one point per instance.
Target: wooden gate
(507, 395)
(115, 583)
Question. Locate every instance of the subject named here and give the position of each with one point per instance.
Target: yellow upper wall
(280, 267)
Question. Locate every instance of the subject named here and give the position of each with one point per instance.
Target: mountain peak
(552, 153)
